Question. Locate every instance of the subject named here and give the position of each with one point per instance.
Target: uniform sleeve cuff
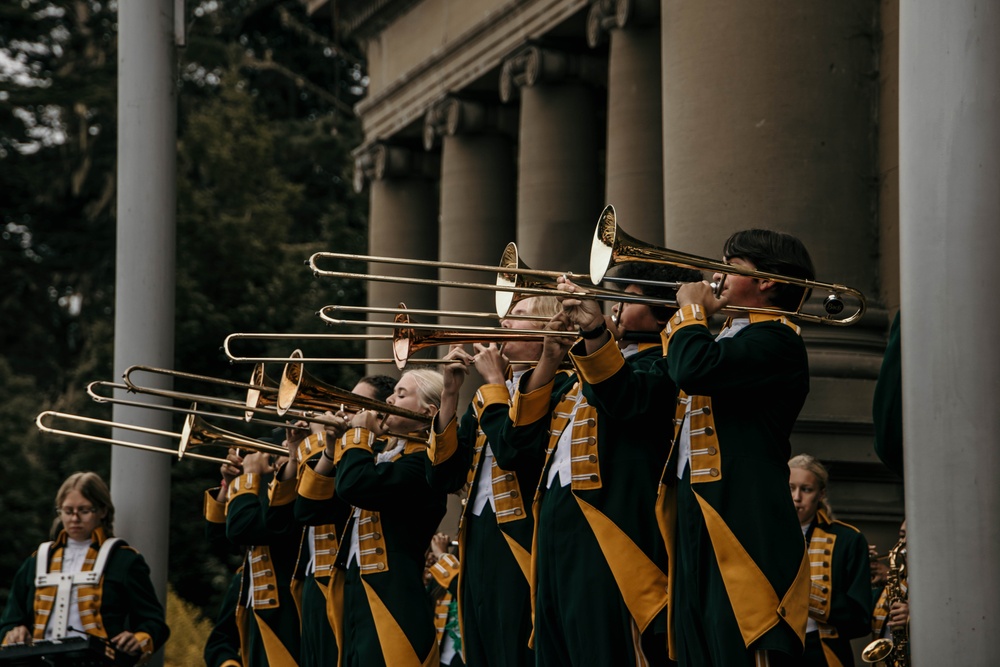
(490, 394)
(282, 491)
(215, 510)
(314, 486)
(244, 484)
(531, 407)
(356, 438)
(686, 316)
(443, 445)
(445, 570)
(599, 366)
(145, 643)
(310, 446)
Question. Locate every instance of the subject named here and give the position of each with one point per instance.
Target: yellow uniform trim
(490, 394)
(244, 484)
(643, 585)
(282, 492)
(601, 365)
(686, 316)
(335, 610)
(754, 601)
(445, 570)
(396, 648)
(443, 445)
(314, 486)
(277, 654)
(531, 407)
(356, 438)
(215, 510)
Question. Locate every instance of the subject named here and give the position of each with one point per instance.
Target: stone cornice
(460, 63)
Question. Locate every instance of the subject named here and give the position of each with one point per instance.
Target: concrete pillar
(477, 197)
(634, 179)
(770, 120)
(559, 190)
(144, 280)
(949, 144)
(402, 223)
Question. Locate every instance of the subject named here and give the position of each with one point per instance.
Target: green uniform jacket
(887, 403)
(400, 513)
(453, 461)
(621, 438)
(746, 392)
(840, 590)
(125, 599)
(222, 648)
(270, 630)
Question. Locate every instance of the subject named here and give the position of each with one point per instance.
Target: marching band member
(739, 572)
(598, 579)
(323, 519)
(266, 615)
(496, 526)
(378, 600)
(442, 585)
(840, 604)
(109, 595)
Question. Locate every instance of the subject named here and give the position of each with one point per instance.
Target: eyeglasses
(82, 512)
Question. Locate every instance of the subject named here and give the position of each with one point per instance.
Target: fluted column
(477, 194)
(558, 189)
(402, 223)
(949, 176)
(634, 178)
(770, 120)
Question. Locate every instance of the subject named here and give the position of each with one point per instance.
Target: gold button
(513, 494)
(594, 478)
(677, 318)
(376, 536)
(517, 511)
(712, 451)
(592, 458)
(709, 430)
(714, 472)
(591, 440)
(479, 402)
(379, 550)
(698, 315)
(509, 476)
(264, 557)
(381, 566)
(707, 410)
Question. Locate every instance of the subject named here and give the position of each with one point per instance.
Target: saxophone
(894, 651)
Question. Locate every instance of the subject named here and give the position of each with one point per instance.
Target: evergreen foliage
(265, 131)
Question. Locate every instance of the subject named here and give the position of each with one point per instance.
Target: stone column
(769, 120)
(477, 196)
(559, 190)
(949, 144)
(402, 223)
(634, 179)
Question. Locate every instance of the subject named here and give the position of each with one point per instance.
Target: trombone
(612, 246)
(407, 338)
(325, 314)
(514, 280)
(196, 432)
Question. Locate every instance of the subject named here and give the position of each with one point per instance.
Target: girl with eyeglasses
(111, 595)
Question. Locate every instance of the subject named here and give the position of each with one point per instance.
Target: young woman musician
(840, 599)
(111, 595)
(380, 608)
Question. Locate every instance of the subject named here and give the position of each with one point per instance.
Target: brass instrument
(196, 432)
(892, 651)
(299, 389)
(514, 280)
(94, 387)
(261, 395)
(612, 246)
(326, 314)
(410, 337)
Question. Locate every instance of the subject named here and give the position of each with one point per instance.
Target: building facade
(489, 121)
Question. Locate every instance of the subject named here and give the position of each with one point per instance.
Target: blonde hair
(811, 464)
(430, 386)
(546, 306)
(92, 487)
